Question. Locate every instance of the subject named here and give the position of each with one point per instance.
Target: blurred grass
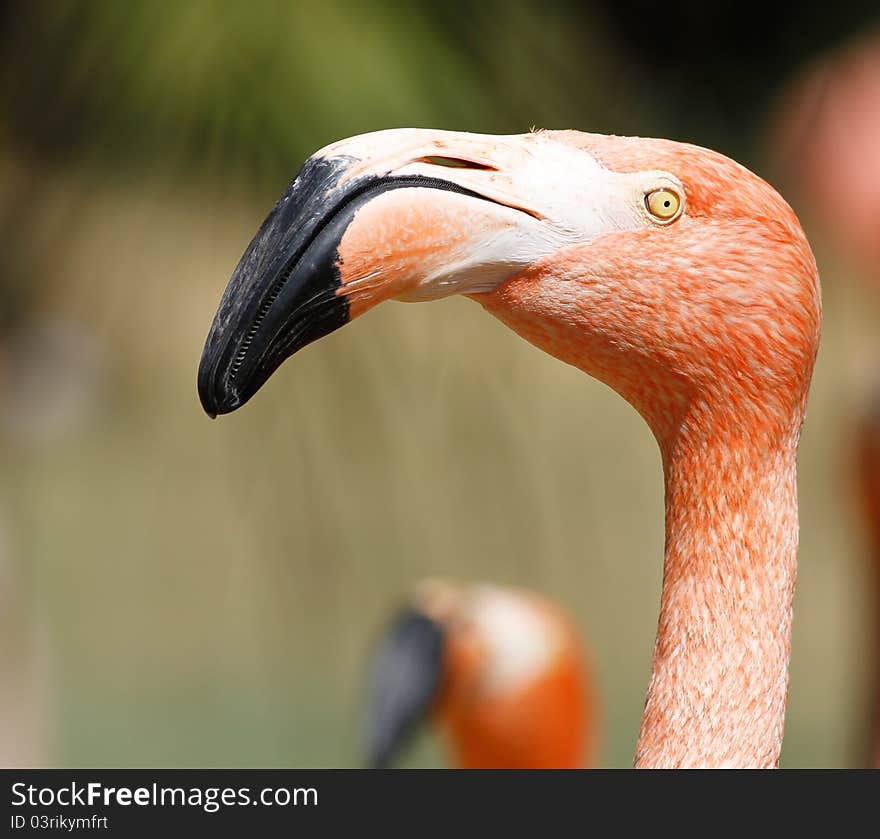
(207, 592)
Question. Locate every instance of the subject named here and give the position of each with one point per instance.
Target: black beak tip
(214, 397)
(207, 391)
(214, 406)
(285, 291)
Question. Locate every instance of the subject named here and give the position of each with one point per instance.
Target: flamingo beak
(404, 683)
(284, 291)
(385, 215)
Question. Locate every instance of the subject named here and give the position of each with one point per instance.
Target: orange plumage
(514, 688)
(708, 323)
(549, 722)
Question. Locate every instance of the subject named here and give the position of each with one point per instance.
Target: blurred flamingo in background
(827, 143)
(868, 463)
(501, 672)
(667, 271)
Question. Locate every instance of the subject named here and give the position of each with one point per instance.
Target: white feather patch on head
(547, 194)
(521, 640)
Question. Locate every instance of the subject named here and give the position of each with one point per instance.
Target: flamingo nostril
(456, 163)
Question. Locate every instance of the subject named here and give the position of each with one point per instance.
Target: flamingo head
(498, 669)
(666, 270)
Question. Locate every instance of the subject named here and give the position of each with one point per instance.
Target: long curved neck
(719, 679)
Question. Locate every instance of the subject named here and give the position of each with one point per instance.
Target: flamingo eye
(664, 205)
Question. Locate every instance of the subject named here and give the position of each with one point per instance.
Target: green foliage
(262, 84)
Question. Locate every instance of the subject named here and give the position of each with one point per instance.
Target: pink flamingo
(827, 143)
(826, 140)
(868, 462)
(501, 672)
(669, 272)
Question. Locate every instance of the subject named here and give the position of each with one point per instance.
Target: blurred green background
(177, 592)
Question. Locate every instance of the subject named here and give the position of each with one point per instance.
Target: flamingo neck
(719, 678)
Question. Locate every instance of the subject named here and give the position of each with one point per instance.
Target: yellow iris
(663, 204)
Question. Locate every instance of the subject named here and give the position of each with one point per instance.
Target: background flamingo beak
(404, 682)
